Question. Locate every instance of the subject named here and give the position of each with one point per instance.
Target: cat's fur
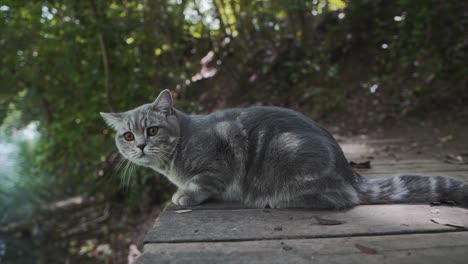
(261, 156)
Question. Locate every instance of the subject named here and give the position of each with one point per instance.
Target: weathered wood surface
(385, 168)
(233, 233)
(420, 248)
(254, 224)
(211, 205)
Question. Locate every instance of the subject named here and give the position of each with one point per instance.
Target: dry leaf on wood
(324, 221)
(446, 202)
(364, 249)
(456, 159)
(447, 223)
(183, 211)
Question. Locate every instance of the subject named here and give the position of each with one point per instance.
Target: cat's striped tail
(413, 189)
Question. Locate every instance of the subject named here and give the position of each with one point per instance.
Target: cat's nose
(141, 146)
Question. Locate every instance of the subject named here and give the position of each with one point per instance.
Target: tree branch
(105, 59)
(105, 62)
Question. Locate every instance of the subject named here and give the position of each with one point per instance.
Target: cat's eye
(129, 136)
(152, 131)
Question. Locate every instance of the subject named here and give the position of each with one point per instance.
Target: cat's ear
(113, 120)
(163, 103)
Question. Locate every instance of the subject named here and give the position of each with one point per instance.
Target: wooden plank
(420, 248)
(419, 166)
(211, 205)
(404, 161)
(461, 175)
(369, 141)
(392, 168)
(257, 224)
(424, 167)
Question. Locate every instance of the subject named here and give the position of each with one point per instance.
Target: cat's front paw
(182, 199)
(175, 197)
(186, 200)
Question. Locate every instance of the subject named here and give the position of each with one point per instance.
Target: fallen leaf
(444, 202)
(449, 202)
(445, 138)
(364, 249)
(183, 211)
(324, 221)
(287, 248)
(455, 159)
(447, 223)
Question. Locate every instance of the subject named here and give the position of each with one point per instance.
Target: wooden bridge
(232, 233)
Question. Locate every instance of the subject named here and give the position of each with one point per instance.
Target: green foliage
(63, 62)
(415, 43)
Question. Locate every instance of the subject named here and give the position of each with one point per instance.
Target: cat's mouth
(141, 155)
(141, 159)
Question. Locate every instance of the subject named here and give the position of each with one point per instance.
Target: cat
(261, 156)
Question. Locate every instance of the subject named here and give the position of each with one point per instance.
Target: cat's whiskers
(119, 164)
(126, 176)
(163, 160)
(166, 159)
(122, 175)
(132, 171)
(133, 154)
(156, 150)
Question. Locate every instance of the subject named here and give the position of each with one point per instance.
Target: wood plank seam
(363, 234)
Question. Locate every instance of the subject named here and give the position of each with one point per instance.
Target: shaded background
(66, 195)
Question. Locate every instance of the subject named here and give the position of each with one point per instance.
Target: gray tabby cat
(261, 156)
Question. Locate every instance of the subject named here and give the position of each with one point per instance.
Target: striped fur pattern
(263, 157)
(413, 189)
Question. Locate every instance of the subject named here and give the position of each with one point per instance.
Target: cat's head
(147, 134)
